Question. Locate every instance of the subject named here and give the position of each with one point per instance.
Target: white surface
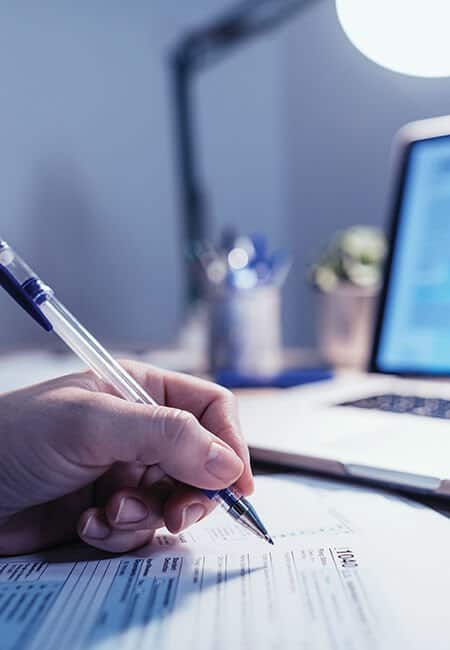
(351, 568)
(304, 423)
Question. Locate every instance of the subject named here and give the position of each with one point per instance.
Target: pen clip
(25, 295)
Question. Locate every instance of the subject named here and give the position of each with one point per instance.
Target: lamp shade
(408, 36)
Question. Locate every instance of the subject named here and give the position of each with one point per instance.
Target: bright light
(216, 271)
(408, 36)
(237, 258)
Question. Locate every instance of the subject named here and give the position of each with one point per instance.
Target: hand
(75, 458)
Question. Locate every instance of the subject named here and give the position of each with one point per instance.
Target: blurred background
(294, 133)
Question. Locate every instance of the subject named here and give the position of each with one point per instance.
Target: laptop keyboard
(425, 406)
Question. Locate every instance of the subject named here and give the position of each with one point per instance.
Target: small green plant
(355, 256)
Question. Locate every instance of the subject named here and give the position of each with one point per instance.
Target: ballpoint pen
(36, 298)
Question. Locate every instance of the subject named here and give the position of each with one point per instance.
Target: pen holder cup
(245, 330)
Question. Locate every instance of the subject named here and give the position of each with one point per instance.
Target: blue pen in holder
(243, 288)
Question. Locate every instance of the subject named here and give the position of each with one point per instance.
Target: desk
(17, 370)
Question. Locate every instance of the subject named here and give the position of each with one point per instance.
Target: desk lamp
(407, 36)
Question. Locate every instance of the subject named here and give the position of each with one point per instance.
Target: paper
(351, 568)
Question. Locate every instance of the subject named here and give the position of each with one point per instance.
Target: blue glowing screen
(415, 333)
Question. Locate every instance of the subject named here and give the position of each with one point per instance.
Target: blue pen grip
(211, 494)
(23, 295)
(226, 495)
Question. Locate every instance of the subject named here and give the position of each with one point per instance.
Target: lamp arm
(194, 52)
(249, 19)
(191, 195)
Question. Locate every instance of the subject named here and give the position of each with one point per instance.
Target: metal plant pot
(346, 318)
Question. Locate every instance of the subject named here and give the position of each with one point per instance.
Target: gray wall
(88, 190)
(294, 133)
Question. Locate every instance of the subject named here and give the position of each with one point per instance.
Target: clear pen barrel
(93, 354)
(66, 326)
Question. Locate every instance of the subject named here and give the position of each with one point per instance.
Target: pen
(36, 298)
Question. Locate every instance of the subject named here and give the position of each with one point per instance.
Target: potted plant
(348, 279)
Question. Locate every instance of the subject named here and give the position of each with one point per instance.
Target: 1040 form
(351, 568)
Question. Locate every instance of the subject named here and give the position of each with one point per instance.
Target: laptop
(390, 425)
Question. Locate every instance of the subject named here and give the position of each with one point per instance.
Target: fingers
(119, 431)
(177, 507)
(131, 509)
(221, 418)
(186, 507)
(94, 529)
(214, 406)
(131, 516)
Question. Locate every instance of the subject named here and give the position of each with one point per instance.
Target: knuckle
(216, 391)
(82, 413)
(89, 381)
(226, 395)
(226, 399)
(91, 414)
(86, 379)
(127, 363)
(176, 426)
(138, 368)
(231, 399)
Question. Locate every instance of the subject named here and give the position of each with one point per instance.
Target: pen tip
(269, 539)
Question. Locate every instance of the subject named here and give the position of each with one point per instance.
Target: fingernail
(95, 529)
(223, 463)
(192, 514)
(131, 511)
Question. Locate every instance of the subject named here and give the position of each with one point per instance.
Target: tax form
(351, 568)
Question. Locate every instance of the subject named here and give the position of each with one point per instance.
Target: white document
(352, 568)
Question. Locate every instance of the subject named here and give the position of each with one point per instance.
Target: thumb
(170, 437)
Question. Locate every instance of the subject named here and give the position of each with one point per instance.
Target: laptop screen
(414, 333)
